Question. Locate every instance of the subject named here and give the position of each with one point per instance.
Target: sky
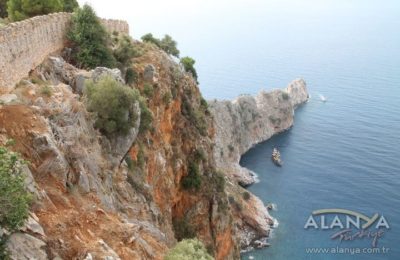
(161, 16)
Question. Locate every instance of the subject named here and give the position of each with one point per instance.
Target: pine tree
(22, 9)
(70, 5)
(89, 40)
(3, 8)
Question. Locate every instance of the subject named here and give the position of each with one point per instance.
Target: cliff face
(249, 120)
(124, 197)
(91, 200)
(239, 125)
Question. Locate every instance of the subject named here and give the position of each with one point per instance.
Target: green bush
(167, 98)
(246, 195)
(151, 39)
(14, 199)
(3, 8)
(46, 90)
(193, 178)
(148, 90)
(188, 65)
(130, 76)
(124, 51)
(146, 117)
(188, 249)
(70, 5)
(195, 116)
(22, 9)
(218, 180)
(167, 44)
(183, 229)
(113, 104)
(285, 96)
(89, 40)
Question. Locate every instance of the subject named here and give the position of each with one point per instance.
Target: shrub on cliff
(3, 8)
(14, 199)
(193, 178)
(70, 5)
(113, 104)
(188, 65)
(130, 76)
(188, 249)
(124, 51)
(22, 9)
(89, 40)
(167, 44)
(146, 117)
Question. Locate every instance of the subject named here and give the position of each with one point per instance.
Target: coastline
(240, 124)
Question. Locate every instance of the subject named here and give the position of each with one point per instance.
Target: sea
(343, 153)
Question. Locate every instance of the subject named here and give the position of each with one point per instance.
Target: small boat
(322, 98)
(276, 157)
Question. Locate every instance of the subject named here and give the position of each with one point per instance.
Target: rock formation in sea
(242, 123)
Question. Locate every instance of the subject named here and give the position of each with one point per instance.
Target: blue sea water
(344, 153)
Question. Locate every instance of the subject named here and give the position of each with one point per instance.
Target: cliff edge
(247, 120)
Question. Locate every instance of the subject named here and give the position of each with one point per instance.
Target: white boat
(322, 98)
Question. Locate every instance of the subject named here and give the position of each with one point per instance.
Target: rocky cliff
(240, 124)
(98, 197)
(248, 120)
(131, 196)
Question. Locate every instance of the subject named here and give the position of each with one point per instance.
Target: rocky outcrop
(240, 124)
(249, 120)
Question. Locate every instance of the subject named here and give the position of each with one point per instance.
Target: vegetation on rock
(193, 178)
(146, 117)
(124, 51)
(89, 40)
(114, 105)
(14, 198)
(3, 8)
(22, 9)
(70, 5)
(130, 76)
(188, 65)
(188, 249)
(167, 44)
(183, 229)
(18, 10)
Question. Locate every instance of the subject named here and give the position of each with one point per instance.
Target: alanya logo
(346, 220)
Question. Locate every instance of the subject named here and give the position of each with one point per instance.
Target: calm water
(341, 154)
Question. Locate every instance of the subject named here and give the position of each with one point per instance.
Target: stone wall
(24, 45)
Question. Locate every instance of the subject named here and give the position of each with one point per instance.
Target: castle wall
(25, 44)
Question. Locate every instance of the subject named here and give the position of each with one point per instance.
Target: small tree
(188, 249)
(169, 46)
(124, 51)
(188, 65)
(23, 9)
(113, 104)
(14, 199)
(193, 178)
(89, 40)
(151, 39)
(3, 8)
(70, 5)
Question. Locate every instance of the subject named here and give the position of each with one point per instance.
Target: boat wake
(322, 98)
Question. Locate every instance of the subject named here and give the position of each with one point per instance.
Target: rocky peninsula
(240, 124)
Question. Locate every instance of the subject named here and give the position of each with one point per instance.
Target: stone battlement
(24, 45)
